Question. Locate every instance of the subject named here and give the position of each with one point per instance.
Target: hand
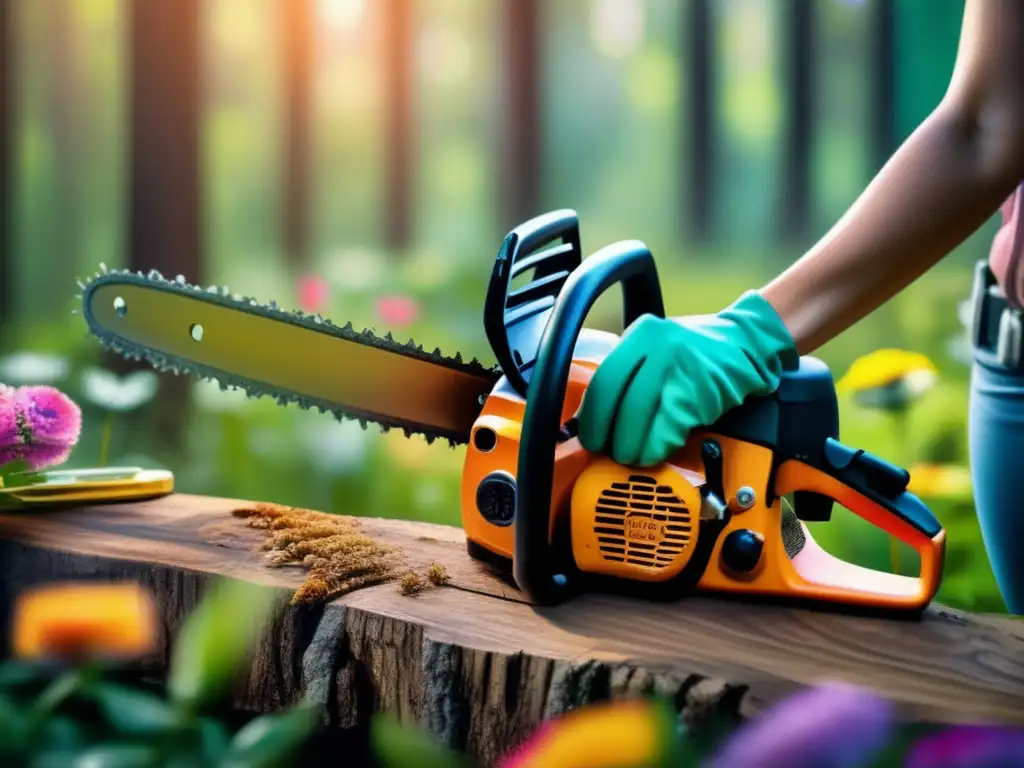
(667, 377)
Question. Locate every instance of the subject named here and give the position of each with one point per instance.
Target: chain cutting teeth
(253, 390)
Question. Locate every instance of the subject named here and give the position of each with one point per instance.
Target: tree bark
(521, 155)
(165, 226)
(478, 666)
(297, 30)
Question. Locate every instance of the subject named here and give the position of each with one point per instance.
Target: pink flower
(313, 293)
(39, 425)
(969, 747)
(397, 311)
(8, 419)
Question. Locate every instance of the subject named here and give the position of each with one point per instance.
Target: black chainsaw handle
(630, 263)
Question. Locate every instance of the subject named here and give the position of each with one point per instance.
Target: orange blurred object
(77, 621)
(619, 734)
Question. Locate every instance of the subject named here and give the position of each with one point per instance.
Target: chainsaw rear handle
(875, 491)
(630, 263)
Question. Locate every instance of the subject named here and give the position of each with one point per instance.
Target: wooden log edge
(478, 666)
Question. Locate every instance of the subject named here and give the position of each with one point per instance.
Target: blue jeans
(996, 433)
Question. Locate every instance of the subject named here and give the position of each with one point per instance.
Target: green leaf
(61, 734)
(13, 467)
(16, 474)
(17, 673)
(214, 740)
(118, 756)
(269, 741)
(15, 728)
(397, 746)
(65, 687)
(134, 712)
(217, 640)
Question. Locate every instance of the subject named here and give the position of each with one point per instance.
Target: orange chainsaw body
(642, 524)
(687, 524)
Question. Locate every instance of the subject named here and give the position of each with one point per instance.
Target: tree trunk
(700, 88)
(521, 155)
(795, 214)
(477, 665)
(62, 92)
(883, 96)
(165, 230)
(399, 51)
(297, 30)
(7, 98)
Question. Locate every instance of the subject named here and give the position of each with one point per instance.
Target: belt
(997, 327)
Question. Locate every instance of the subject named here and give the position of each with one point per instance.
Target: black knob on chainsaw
(741, 550)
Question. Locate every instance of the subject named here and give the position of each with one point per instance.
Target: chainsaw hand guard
(629, 263)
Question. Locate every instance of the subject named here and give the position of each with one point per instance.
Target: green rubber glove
(669, 376)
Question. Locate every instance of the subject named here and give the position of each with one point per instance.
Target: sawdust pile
(337, 555)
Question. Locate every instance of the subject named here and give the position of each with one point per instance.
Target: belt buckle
(1011, 334)
(983, 280)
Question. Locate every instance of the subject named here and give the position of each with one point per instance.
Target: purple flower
(50, 416)
(970, 747)
(830, 726)
(39, 425)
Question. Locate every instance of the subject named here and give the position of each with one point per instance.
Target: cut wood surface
(477, 665)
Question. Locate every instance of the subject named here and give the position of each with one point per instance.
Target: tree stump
(477, 665)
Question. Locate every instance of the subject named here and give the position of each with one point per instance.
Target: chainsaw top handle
(627, 262)
(545, 250)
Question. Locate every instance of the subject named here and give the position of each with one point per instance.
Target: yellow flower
(77, 621)
(940, 480)
(885, 367)
(608, 735)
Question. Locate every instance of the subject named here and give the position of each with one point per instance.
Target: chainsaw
(726, 513)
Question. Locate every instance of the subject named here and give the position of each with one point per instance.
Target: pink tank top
(1007, 256)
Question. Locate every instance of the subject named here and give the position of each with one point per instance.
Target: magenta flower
(396, 311)
(39, 425)
(969, 747)
(313, 293)
(8, 420)
(830, 726)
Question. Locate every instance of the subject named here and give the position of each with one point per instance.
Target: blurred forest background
(365, 158)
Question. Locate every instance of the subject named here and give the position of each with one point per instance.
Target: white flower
(965, 313)
(26, 368)
(335, 448)
(352, 270)
(118, 393)
(920, 381)
(210, 397)
(960, 347)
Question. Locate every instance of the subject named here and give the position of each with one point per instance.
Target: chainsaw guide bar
(430, 376)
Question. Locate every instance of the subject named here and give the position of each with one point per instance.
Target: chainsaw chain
(222, 295)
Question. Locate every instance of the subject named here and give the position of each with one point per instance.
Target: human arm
(942, 184)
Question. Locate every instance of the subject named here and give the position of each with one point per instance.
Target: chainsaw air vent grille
(642, 523)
